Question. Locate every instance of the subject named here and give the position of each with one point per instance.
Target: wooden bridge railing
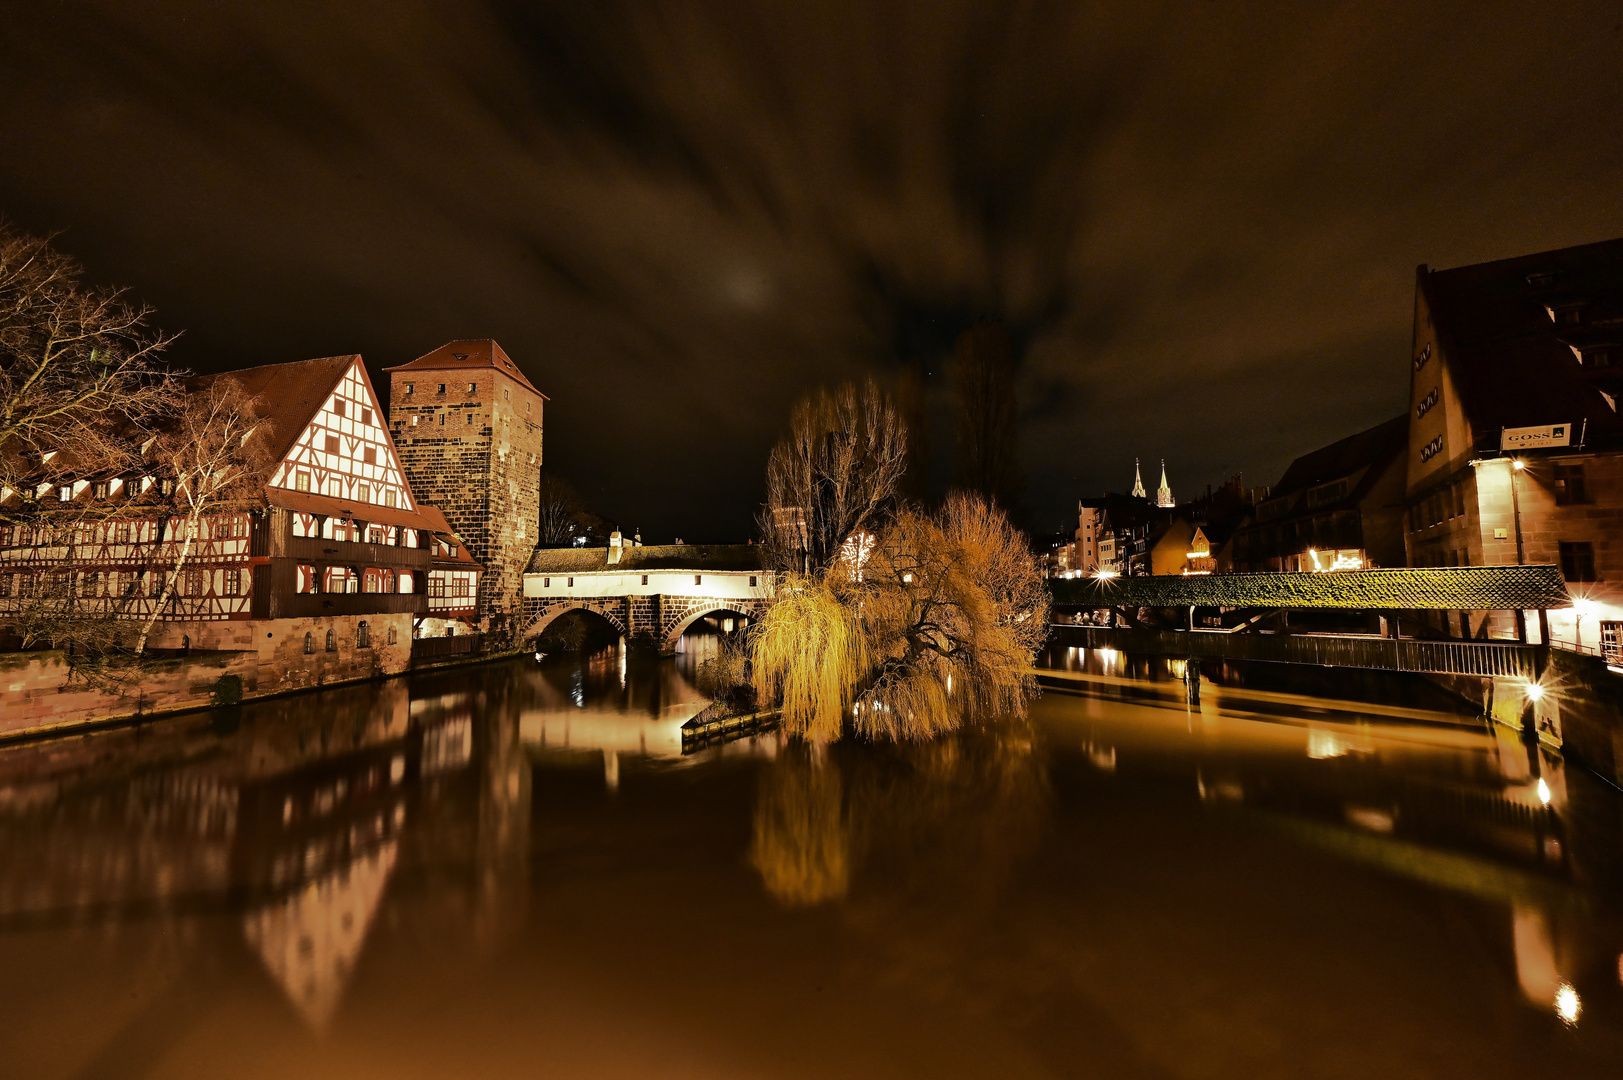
(1489, 658)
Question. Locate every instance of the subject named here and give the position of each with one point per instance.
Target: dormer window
(99, 490)
(1543, 279)
(65, 492)
(460, 355)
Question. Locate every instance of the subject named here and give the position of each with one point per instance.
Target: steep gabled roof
(469, 353)
(289, 394)
(1512, 363)
(1343, 458)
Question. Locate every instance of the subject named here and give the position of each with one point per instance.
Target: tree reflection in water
(914, 819)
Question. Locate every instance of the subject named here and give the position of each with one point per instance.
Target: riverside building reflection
(520, 859)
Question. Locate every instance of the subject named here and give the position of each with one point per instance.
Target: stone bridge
(658, 591)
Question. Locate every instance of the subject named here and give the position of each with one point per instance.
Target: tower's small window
(472, 387)
(442, 388)
(409, 388)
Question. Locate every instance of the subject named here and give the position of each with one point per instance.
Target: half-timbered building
(328, 571)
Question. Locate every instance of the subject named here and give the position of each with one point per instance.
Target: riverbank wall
(205, 664)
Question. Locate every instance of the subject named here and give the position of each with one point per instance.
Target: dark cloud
(1200, 221)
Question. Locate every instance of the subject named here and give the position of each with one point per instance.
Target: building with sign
(1515, 448)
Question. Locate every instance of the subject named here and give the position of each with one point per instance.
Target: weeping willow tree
(900, 623)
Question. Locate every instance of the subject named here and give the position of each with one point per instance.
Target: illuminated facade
(1515, 449)
(323, 574)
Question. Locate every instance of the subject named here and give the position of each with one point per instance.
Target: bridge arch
(678, 620)
(610, 610)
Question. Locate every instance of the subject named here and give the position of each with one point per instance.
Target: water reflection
(519, 859)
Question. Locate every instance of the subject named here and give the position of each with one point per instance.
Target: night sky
(1199, 220)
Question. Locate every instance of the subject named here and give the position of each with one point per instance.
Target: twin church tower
(1163, 494)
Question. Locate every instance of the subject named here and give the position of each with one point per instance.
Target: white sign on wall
(1521, 438)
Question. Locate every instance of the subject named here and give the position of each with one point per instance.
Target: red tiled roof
(289, 394)
(469, 353)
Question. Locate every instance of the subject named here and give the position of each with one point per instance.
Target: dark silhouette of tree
(983, 367)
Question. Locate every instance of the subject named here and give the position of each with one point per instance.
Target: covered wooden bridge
(1247, 617)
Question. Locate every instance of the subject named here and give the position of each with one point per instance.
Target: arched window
(363, 635)
(332, 641)
(309, 643)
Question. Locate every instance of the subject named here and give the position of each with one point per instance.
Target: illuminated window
(442, 388)
(1611, 642)
(233, 582)
(414, 420)
(100, 490)
(389, 497)
(301, 481)
(409, 388)
(472, 387)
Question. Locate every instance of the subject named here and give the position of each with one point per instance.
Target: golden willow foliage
(811, 649)
(800, 842)
(937, 627)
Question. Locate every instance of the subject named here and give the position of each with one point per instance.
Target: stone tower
(467, 425)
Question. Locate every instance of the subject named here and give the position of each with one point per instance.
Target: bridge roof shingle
(1450, 588)
(712, 557)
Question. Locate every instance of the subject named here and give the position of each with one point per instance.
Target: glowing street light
(1567, 1004)
(1543, 791)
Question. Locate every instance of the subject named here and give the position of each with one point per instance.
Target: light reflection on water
(519, 858)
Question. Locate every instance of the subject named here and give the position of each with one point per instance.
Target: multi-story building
(468, 424)
(1338, 508)
(325, 571)
(1515, 448)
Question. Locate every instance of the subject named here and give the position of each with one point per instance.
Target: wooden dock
(708, 729)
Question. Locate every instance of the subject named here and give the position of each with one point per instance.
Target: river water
(514, 870)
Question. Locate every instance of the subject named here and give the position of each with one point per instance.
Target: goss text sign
(1522, 438)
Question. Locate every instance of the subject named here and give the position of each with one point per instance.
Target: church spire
(1163, 494)
(1138, 482)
